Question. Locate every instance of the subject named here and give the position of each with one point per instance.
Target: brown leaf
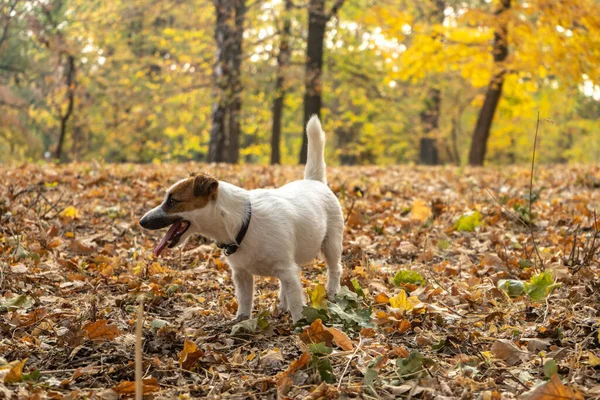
(507, 351)
(341, 339)
(367, 332)
(317, 333)
(100, 331)
(189, 355)
(284, 382)
(149, 385)
(382, 298)
(553, 390)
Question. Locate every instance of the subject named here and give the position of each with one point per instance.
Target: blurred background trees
(395, 81)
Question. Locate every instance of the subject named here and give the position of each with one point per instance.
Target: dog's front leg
(291, 289)
(244, 292)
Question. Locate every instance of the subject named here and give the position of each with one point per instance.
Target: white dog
(266, 232)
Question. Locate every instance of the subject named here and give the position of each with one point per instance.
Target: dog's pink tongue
(165, 240)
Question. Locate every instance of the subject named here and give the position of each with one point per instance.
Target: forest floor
(452, 289)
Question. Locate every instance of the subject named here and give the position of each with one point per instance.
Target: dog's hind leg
(291, 291)
(244, 292)
(332, 250)
(282, 304)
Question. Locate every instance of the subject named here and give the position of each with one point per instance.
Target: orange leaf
(553, 390)
(189, 355)
(341, 339)
(15, 374)
(149, 385)
(317, 333)
(367, 332)
(404, 326)
(99, 331)
(382, 298)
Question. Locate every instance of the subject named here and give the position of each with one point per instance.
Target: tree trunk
(317, 21)
(64, 118)
(235, 83)
(225, 131)
(430, 116)
(494, 91)
(282, 60)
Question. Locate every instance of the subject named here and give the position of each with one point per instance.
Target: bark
(226, 127)
(317, 21)
(282, 61)
(64, 118)
(430, 116)
(481, 133)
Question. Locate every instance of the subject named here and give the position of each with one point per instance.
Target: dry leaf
(284, 381)
(189, 355)
(149, 385)
(341, 339)
(420, 211)
(317, 333)
(15, 373)
(382, 298)
(100, 331)
(404, 303)
(553, 390)
(508, 352)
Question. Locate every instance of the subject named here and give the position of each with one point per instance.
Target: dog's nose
(144, 222)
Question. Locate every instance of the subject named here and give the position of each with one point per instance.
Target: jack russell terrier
(266, 232)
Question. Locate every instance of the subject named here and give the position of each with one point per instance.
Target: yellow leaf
(70, 212)
(420, 210)
(16, 372)
(402, 302)
(318, 297)
(594, 361)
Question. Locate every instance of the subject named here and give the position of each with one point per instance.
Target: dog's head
(184, 204)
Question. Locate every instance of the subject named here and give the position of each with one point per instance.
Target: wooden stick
(139, 388)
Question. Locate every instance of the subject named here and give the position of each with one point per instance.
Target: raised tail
(315, 162)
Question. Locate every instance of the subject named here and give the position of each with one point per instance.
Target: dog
(265, 232)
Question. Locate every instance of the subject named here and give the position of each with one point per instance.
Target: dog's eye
(171, 202)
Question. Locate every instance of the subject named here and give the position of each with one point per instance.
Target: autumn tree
(283, 59)
(318, 17)
(225, 132)
(494, 90)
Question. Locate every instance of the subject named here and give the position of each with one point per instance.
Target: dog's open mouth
(172, 236)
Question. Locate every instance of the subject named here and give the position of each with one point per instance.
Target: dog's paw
(332, 292)
(240, 318)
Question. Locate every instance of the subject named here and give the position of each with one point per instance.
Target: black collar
(231, 248)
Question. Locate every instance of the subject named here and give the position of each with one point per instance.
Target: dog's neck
(230, 212)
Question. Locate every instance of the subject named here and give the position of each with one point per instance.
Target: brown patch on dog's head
(191, 194)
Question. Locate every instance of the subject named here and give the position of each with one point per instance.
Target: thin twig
(348, 363)
(537, 252)
(139, 389)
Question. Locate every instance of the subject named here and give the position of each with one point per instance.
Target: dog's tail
(315, 163)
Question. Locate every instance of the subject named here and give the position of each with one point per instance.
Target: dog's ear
(205, 186)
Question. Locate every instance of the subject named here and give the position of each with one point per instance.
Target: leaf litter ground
(452, 288)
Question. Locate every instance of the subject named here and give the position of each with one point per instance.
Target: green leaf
(311, 314)
(158, 323)
(408, 367)
(540, 286)
(525, 264)
(370, 376)
(352, 318)
(550, 368)
(347, 298)
(443, 244)
(319, 349)
(252, 325)
(513, 287)
(468, 222)
(325, 370)
(32, 376)
(408, 276)
(357, 287)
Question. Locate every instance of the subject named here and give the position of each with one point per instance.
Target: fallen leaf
(15, 372)
(318, 297)
(593, 360)
(284, 381)
(404, 303)
(189, 355)
(554, 389)
(149, 385)
(100, 331)
(420, 211)
(508, 352)
(382, 298)
(341, 339)
(317, 333)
